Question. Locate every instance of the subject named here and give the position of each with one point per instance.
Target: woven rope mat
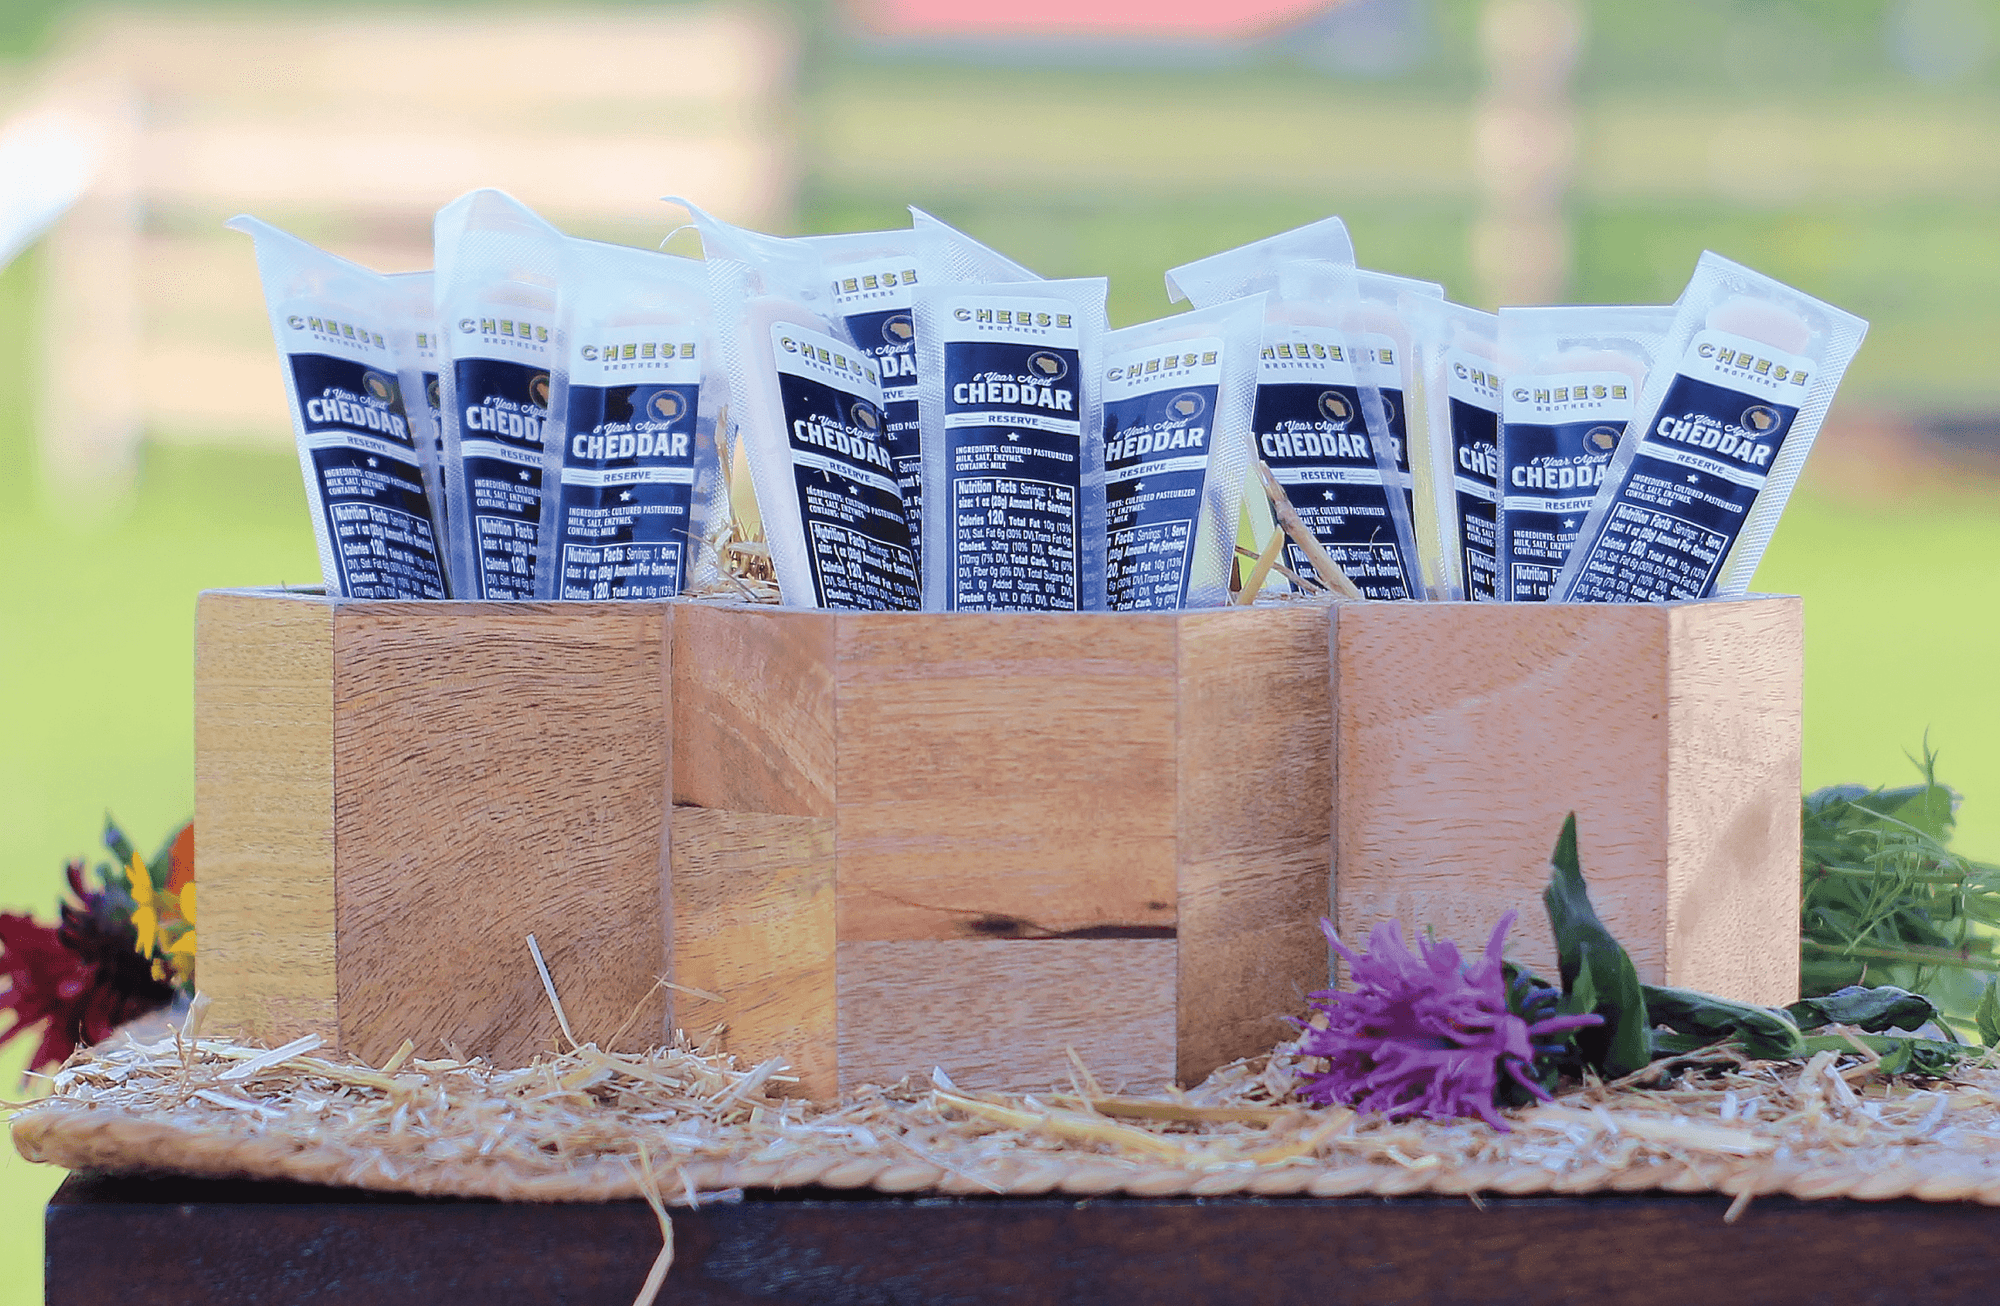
(574, 1128)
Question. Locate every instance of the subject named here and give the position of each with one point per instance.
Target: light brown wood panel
(753, 709)
(500, 770)
(1466, 732)
(1735, 735)
(1005, 773)
(264, 846)
(1000, 1014)
(1255, 826)
(753, 924)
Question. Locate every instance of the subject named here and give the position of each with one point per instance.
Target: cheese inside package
(497, 266)
(1178, 399)
(345, 335)
(1246, 270)
(1008, 396)
(1573, 377)
(807, 405)
(632, 478)
(1721, 430)
(1458, 355)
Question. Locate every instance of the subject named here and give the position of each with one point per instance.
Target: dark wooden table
(165, 1242)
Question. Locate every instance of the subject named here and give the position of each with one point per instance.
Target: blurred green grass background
(1902, 594)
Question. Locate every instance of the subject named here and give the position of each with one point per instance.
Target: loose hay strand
(542, 967)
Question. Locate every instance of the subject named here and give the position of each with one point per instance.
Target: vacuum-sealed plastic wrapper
(1350, 486)
(1008, 379)
(1573, 377)
(497, 265)
(344, 334)
(419, 377)
(1384, 322)
(808, 406)
(1459, 357)
(1178, 399)
(632, 476)
(872, 276)
(1722, 427)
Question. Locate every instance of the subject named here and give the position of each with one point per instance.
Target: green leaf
(1597, 975)
(1900, 1056)
(1986, 1017)
(1883, 1007)
(1766, 1034)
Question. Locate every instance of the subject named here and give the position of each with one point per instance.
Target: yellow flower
(145, 916)
(185, 943)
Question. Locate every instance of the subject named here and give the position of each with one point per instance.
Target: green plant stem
(1913, 955)
(1957, 881)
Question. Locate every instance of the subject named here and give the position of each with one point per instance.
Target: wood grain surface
(1005, 775)
(500, 770)
(753, 925)
(1735, 721)
(1254, 826)
(753, 709)
(1466, 732)
(263, 797)
(999, 1014)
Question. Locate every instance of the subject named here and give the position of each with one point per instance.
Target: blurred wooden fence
(353, 130)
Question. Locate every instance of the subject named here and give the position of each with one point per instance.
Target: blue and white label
(1696, 473)
(851, 509)
(1472, 394)
(623, 517)
(1159, 414)
(1309, 428)
(1013, 454)
(501, 377)
(874, 297)
(1561, 430)
(363, 454)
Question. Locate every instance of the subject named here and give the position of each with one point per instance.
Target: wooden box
(876, 843)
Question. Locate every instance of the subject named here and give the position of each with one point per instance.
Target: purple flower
(1428, 1035)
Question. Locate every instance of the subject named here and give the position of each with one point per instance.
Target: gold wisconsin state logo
(1760, 420)
(1334, 407)
(666, 405)
(538, 389)
(1185, 407)
(1600, 439)
(899, 330)
(379, 387)
(866, 417)
(1046, 365)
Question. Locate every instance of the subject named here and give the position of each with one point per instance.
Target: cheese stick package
(1721, 429)
(1320, 423)
(1459, 357)
(496, 299)
(1178, 398)
(345, 335)
(1009, 399)
(1573, 377)
(873, 276)
(419, 378)
(807, 405)
(1384, 323)
(1246, 270)
(631, 475)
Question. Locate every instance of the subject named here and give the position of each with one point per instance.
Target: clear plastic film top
(1721, 430)
(1457, 535)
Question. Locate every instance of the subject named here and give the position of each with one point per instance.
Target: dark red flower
(79, 980)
